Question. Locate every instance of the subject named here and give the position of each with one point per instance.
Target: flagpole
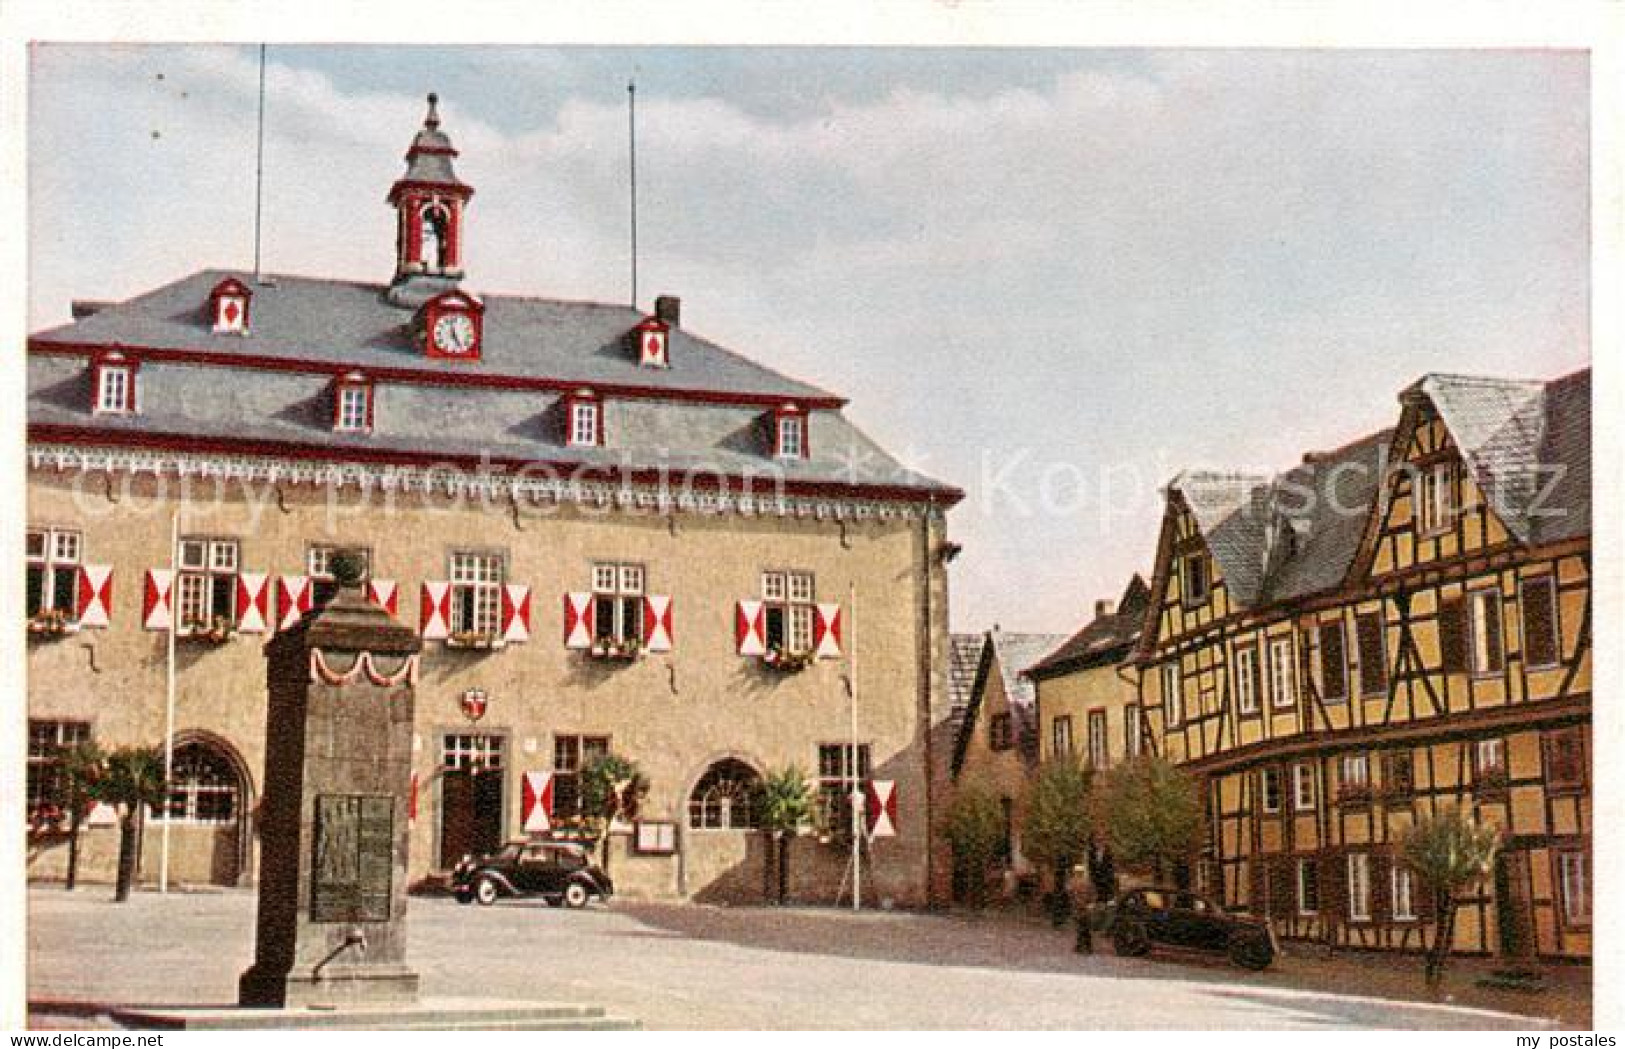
(259, 168)
(632, 165)
(852, 764)
(169, 702)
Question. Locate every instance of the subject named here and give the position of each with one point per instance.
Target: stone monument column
(333, 823)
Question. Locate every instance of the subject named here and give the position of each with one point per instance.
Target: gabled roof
(964, 653)
(1517, 437)
(1282, 537)
(1104, 640)
(1013, 653)
(1298, 533)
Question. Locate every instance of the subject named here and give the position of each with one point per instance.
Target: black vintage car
(1142, 918)
(558, 872)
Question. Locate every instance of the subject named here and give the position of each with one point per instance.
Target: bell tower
(429, 201)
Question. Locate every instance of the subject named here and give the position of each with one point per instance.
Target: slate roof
(349, 323)
(1514, 435)
(1104, 639)
(1014, 653)
(964, 652)
(340, 325)
(1297, 533)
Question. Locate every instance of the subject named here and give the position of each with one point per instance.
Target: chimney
(1103, 608)
(83, 308)
(669, 308)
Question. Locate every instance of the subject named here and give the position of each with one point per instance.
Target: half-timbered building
(613, 534)
(1396, 627)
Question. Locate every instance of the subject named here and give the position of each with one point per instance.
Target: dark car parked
(558, 872)
(1142, 918)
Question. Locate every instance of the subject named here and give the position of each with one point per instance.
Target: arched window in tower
(432, 237)
(725, 797)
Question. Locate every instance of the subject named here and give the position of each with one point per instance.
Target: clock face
(454, 333)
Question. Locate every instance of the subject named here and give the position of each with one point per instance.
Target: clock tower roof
(428, 159)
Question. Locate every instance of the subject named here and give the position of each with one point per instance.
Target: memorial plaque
(354, 857)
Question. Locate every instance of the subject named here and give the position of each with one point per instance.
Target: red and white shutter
(157, 605)
(95, 598)
(515, 612)
(880, 807)
(750, 628)
(385, 594)
(657, 623)
(293, 599)
(827, 631)
(434, 611)
(536, 803)
(253, 602)
(577, 620)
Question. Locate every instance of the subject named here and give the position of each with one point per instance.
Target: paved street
(694, 967)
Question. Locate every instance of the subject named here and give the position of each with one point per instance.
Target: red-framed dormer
(583, 419)
(114, 384)
(229, 305)
(652, 337)
(353, 397)
(790, 437)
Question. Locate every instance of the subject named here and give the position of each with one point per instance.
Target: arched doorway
(210, 806)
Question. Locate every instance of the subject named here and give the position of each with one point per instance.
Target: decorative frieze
(492, 485)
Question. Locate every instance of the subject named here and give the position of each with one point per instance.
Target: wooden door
(485, 812)
(1514, 915)
(456, 817)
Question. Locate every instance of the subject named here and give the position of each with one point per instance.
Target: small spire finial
(432, 121)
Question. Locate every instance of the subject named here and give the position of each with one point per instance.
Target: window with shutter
(1246, 684)
(1333, 663)
(1308, 887)
(1303, 787)
(1398, 776)
(1453, 636)
(1283, 686)
(1269, 789)
(1539, 599)
(52, 574)
(1359, 886)
(1565, 759)
(206, 587)
(1574, 882)
(1402, 892)
(1373, 654)
(1485, 606)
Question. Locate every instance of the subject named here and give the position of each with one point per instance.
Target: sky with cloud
(1051, 277)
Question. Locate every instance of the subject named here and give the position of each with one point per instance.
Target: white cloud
(1136, 264)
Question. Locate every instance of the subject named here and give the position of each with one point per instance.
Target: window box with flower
(616, 650)
(474, 640)
(216, 631)
(787, 661)
(51, 623)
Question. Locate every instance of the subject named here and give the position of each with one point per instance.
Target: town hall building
(613, 536)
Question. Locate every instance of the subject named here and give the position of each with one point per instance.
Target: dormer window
(113, 379)
(584, 420)
(652, 338)
(790, 433)
(352, 404)
(228, 307)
